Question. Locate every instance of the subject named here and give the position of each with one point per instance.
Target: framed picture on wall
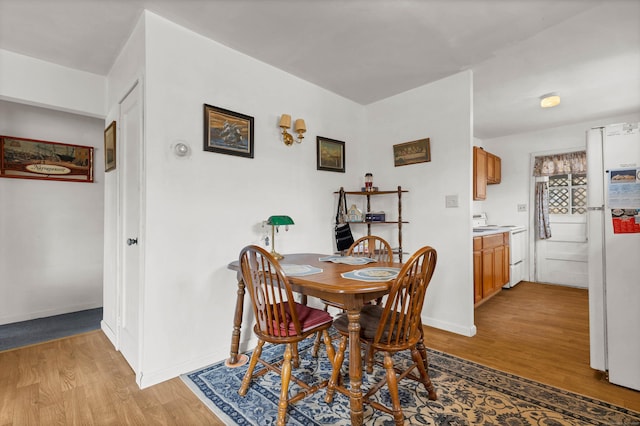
(330, 154)
(412, 152)
(35, 159)
(110, 147)
(227, 132)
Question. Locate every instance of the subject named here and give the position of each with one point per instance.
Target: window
(568, 194)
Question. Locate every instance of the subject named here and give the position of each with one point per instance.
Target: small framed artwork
(110, 147)
(227, 132)
(330, 154)
(35, 159)
(412, 152)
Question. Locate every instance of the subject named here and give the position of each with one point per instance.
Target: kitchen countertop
(483, 231)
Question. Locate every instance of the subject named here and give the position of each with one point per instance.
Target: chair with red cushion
(393, 327)
(279, 320)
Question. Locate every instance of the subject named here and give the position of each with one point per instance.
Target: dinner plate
(348, 260)
(373, 274)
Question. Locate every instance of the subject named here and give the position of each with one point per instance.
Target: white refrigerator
(613, 221)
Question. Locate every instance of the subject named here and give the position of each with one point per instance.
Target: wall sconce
(276, 221)
(299, 127)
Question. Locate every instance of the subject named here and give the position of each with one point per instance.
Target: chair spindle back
(270, 293)
(400, 324)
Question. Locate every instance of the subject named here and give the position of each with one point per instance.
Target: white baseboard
(447, 326)
(147, 379)
(109, 333)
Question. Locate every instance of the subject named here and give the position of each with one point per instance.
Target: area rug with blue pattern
(468, 394)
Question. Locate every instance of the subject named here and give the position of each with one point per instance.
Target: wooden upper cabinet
(479, 173)
(487, 170)
(494, 169)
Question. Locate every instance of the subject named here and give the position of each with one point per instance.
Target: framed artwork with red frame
(36, 159)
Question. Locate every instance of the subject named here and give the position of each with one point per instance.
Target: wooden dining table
(328, 285)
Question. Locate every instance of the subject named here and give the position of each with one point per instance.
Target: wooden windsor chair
(370, 246)
(390, 328)
(279, 320)
(373, 247)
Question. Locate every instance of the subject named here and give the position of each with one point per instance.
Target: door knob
(132, 241)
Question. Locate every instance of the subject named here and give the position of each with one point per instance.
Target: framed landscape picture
(330, 153)
(412, 152)
(227, 132)
(35, 159)
(110, 147)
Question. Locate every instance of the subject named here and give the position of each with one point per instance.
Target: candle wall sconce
(299, 127)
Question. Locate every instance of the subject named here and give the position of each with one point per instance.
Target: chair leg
(369, 357)
(316, 345)
(246, 380)
(284, 390)
(331, 353)
(424, 375)
(295, 356)
(423, 349)
(336, 363)
(392, 383)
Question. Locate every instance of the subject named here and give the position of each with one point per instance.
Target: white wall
(35, 82)
(424, 113)
(127, 70)
(202, 209)
(51, 233)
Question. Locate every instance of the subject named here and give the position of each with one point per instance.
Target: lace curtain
(560, 164)
(543, 227)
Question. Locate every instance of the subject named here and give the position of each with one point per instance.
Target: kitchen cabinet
(397, 222)
(479, 173)
(487, 170)
(494, 169)
(490, 265)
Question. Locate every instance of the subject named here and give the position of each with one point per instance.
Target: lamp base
(276, 255)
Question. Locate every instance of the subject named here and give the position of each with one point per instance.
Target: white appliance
(517, 246)
(613, 221)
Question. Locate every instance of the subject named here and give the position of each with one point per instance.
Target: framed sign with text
(35, 159)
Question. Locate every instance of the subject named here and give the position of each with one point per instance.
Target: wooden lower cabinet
(490, 265)
(477, 275)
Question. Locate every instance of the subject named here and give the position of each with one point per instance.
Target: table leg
(355, 367)
(237, 323)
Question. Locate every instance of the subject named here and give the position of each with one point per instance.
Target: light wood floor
(533, 330)
(540, 332)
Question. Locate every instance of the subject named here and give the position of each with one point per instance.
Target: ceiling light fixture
(549, 100)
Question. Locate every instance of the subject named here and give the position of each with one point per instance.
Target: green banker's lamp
(276, 221)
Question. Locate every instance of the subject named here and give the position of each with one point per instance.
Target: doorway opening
(560, 254)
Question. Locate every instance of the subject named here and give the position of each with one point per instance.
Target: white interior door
(130, 196)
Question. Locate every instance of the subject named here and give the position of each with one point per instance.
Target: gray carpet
(39, 330)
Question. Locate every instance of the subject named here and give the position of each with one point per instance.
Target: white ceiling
(367, 50)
